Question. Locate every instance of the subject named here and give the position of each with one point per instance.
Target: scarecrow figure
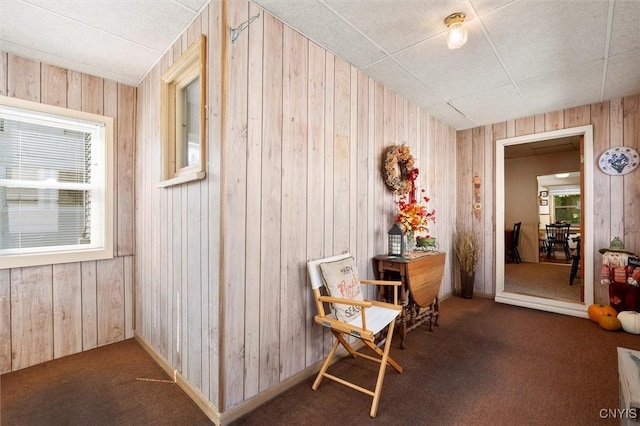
(622, 279)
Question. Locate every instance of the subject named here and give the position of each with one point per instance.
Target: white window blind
(564, 190)
(52, 183)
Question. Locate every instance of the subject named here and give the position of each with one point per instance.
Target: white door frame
(578, 309)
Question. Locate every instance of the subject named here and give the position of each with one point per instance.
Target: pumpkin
(595, 311)
(630, 321)
(609, 322)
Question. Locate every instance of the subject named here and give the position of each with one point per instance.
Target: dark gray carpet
(486, 364)
(97, 387)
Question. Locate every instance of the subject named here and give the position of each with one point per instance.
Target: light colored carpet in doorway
(543, 280)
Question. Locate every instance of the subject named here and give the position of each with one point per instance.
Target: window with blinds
(55, 196)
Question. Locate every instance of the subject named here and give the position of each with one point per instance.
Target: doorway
(527, 198)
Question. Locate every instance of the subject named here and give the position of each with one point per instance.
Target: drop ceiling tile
(153, 27)
(566, 88)
(195, 5)
(623, 76)
(402, 82)
(535, 38)
(447, 114)
(71, 64)
(483, 7)
(77, 43)
(625, 31)
(396, 25)
(319, 24)
(492, 106)
(458, 72)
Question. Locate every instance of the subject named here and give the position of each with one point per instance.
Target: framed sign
(544, 194)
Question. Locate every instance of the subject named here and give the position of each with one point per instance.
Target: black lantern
(396, 240)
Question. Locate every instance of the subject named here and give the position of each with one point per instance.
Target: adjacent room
(208, 207)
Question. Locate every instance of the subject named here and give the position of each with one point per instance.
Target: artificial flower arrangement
(414, 217)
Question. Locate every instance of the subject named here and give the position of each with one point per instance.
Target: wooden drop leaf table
(421, 275)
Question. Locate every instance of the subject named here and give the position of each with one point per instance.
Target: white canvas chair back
(315, 274)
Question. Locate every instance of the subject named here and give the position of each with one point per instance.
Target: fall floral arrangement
(414, 217)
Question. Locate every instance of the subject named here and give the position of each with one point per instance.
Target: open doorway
(519, 198)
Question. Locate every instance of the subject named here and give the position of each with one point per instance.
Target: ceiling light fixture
(562, 175)
(456, 32)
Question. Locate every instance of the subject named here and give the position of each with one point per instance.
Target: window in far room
(565, 204)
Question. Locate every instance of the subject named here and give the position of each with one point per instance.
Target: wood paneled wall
(51, 311)
(616, 213)
(295, 143)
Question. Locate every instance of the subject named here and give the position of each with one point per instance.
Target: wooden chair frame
(357, 328)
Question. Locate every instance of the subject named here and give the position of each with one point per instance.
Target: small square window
(183, 117)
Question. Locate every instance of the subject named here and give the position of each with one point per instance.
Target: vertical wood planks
(89, 306)
(217, 27)
(360, 185)
(23, 78)
(293, 293)
(125, 150)
(67, 309)
(234, 211)
(602, 195)
(315, 190)
(270, 205)
(3, 73)
(92, 94)
(616, 138)
(5, 322)
(31, 316)
(254, 196)
(341, 160)
(110, 292)
(54, 86)
(631, 129)
(478, 154)
(488, 211)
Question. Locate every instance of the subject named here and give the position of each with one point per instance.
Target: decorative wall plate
(619, 160)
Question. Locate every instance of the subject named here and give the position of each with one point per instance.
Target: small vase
(410, 243)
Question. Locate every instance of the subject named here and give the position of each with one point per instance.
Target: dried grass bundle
(467, 246)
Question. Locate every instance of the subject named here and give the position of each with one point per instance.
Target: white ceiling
(115, 39)
(523, 57)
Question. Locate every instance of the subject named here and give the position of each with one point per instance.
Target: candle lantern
(396, 241)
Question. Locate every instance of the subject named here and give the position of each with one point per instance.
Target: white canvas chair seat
(377, 318)
(374, 317)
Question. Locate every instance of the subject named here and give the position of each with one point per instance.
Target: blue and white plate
(619, 160)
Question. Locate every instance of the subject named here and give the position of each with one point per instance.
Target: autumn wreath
(397, 167)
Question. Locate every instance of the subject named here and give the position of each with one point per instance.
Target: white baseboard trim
(196, 396)
(224, 418)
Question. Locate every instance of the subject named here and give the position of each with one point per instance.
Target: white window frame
(102, 176)
(174, 81)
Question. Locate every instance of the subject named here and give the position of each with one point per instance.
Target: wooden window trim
(190, 65)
